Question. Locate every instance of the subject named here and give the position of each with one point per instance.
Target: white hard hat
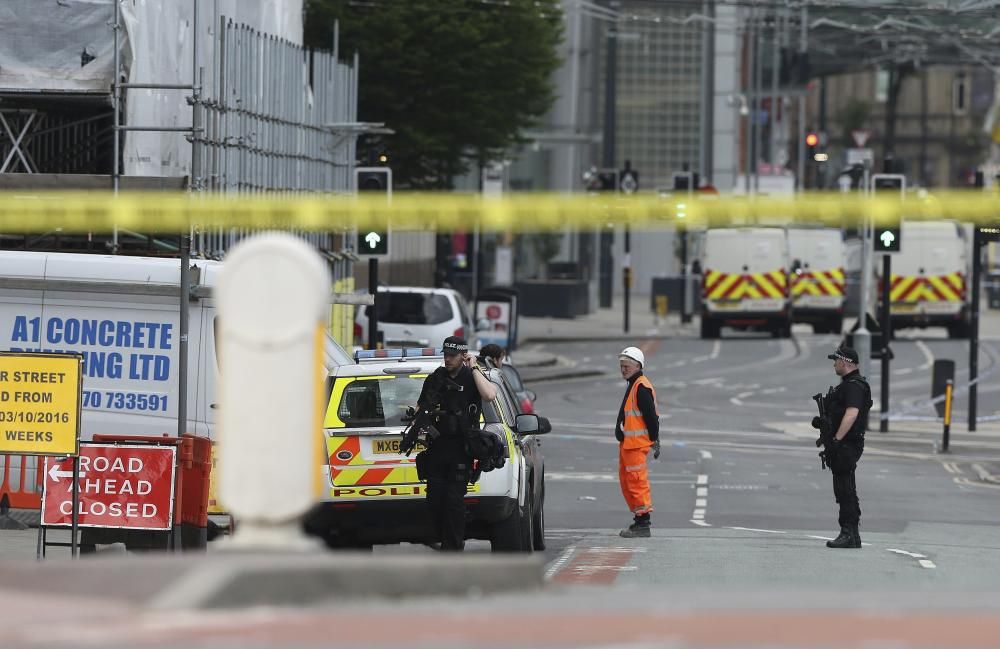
(634, 353)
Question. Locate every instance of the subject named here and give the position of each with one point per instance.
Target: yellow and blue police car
(373, 495)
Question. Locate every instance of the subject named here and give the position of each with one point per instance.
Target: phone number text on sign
(114, 400)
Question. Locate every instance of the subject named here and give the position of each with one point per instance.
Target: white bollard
(273, 295)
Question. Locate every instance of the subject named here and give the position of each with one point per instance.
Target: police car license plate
(903, 307)
(390, 446)
(728, 304)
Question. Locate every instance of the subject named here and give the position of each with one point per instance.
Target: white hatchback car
(413, 316)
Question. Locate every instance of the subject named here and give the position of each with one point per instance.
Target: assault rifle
(421, 420)
(825, 427)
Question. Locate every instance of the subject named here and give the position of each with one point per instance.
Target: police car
(373, 495)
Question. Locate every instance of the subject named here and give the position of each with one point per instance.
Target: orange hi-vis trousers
(634, 478)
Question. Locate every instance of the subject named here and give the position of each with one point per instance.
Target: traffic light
(372, 180)
(601, 180)
(812, 140)
(685, 181)
(888, 238)
(373, 242)
(886, 183)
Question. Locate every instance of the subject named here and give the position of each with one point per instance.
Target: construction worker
(637, 431)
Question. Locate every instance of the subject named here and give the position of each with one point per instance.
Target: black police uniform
(852, 392)
(448, 463)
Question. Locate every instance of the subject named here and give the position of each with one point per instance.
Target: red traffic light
(812, 139)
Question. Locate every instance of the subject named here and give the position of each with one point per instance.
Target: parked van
(928, 283)
(745, 281)
(817, 281)
(122, 314)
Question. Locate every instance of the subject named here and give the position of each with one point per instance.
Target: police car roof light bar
(376, 354)
(410, 352)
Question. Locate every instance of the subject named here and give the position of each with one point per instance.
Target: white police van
(122, 315)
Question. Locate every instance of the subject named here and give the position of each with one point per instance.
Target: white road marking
(711, 356)
(928, 354)
(590, 569)
(585, 359)
(559, 562)
(706, 455)
(587, 477)
(921, 558)
(701, 502)
(702, 479)
(735, 401)
(905, 370)
(952, 468)
(701, 492)
(699, 514)
(700, 523)
(619, 549)
(753, 529)
(821, 538)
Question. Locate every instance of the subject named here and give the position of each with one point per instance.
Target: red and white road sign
(128, 487)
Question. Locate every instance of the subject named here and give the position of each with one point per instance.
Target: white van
(122, 314)
(817, 281)
(929, 277)
(745, 281)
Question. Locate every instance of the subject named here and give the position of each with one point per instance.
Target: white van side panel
(767, 250)
(822, 252)
(724, 251)
(816, 249)
(129, 341)
(935, 255)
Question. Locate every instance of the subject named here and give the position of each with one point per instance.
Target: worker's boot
(855, 537)
(845, 540)
(639, 529)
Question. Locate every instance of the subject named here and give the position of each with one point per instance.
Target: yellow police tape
(528, 212)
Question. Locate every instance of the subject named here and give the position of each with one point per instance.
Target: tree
(457, 80)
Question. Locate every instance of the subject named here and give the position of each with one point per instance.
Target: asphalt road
(737, 556)
(739, 494)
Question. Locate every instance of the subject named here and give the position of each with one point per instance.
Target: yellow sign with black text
(40, 402)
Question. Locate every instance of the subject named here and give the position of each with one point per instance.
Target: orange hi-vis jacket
(634, 424)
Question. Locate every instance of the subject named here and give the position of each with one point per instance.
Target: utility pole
(803, 48)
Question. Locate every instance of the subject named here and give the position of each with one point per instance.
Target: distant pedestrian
(848, 405)
(637, 431)
(495, 353)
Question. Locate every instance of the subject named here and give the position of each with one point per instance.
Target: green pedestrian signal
(888, 239)
(371, 242)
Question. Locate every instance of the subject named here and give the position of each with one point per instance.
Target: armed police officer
(843, 438)
(455, 393)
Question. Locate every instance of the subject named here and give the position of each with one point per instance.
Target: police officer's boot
(845, 540)
(855, 537)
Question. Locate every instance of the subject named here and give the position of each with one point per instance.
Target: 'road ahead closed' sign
(129, 487)
(40, 403)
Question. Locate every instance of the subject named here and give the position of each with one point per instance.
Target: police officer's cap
(845, 354)
(455, 345)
